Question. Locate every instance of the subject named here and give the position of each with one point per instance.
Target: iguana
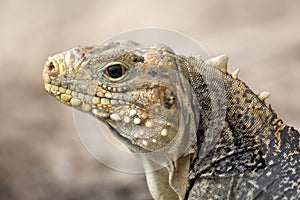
(200, 131)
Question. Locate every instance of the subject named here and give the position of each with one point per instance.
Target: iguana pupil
(115, 71)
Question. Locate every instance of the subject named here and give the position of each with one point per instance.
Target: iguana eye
(115, 70)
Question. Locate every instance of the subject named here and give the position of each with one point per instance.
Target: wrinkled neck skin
(231, 114)
(239, 134)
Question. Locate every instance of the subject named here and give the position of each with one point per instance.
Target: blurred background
(41, 156)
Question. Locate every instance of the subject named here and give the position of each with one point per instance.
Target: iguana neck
(237, 128)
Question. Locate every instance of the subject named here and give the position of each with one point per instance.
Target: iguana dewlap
(204, 131)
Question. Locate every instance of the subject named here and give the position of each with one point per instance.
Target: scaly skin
(210, 135)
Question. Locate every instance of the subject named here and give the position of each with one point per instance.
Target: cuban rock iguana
(209, 134)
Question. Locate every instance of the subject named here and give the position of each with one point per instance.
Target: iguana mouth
(73, 98)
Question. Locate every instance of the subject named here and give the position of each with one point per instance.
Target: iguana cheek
(150, 122)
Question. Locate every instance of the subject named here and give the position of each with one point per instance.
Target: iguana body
(224, 142)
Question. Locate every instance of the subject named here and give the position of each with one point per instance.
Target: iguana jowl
(227, 143)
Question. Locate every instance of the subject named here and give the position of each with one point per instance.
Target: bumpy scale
(239, 149)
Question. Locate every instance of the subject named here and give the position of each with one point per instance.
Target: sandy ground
(41, 156)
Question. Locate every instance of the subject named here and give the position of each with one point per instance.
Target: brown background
(41, 156)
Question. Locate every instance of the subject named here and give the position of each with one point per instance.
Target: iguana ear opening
(168, 97)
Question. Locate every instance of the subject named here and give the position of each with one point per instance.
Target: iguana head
(137, 91)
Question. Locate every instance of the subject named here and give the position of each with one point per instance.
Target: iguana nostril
(51, 67)
(50, 70)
